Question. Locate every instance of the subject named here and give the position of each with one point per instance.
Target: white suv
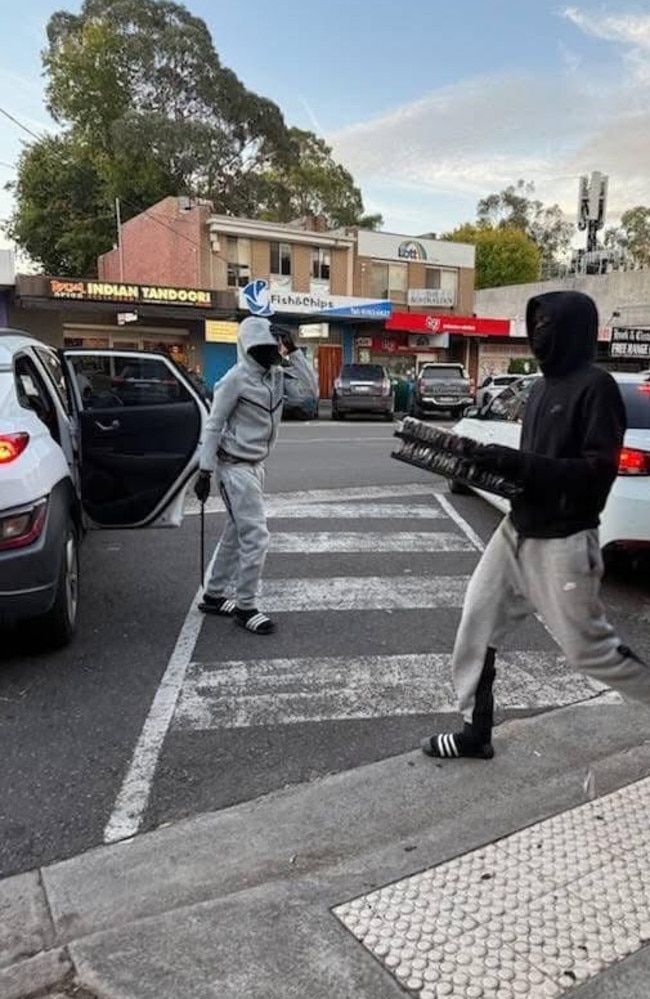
(88, 438)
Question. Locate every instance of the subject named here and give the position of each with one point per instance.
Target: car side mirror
(473, 412)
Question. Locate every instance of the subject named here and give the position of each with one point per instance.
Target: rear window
(441, 374)
(505, 379)
(636, 396)
(366, 372)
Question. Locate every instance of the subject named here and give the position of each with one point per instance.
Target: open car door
(139, 424)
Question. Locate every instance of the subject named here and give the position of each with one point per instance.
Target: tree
(515, 208)
(310, 182)
(633, 235)
(62, 216)
(503, 256)
(148, 110)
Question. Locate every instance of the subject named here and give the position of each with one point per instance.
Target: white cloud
(631, 30)
(481, 134)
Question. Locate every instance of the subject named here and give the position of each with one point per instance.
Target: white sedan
(625, 521)
(492, 386)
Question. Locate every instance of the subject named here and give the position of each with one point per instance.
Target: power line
(25, 128)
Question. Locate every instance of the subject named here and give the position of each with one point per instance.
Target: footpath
(460, 879)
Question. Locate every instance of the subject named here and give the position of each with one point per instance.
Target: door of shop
(330, 362)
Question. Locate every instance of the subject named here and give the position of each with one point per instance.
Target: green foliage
(148, 110)
(503, 255)
(62, 216)
(516, 208)
(523, 366)
(310, 182)
(633, 235)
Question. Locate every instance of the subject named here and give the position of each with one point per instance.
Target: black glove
(284, 335)
(202, 485)
(497, 458)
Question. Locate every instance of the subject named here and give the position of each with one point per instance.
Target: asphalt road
(327, 692)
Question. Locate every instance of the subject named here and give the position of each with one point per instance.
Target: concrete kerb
(303, 849)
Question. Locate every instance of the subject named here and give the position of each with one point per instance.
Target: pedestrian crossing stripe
(247, 693)
(365, 493)
(322, 542)
(350, 593)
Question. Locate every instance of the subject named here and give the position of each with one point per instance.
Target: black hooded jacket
(573, 424)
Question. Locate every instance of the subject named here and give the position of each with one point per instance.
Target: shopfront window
(320, 264)
(389, 281)
(238, 258)
(280, 260)
(441, 278)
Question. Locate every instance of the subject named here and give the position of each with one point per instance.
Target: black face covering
(542, 334)
(266, 355)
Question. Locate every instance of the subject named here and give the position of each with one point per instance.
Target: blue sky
(431, 104)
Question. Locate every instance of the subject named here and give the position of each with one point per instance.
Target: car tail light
(633, 462)
(337, 384)
(385, 386)
(21, 527)
(11, 446)
(472, 387)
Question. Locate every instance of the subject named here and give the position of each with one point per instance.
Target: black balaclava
(266, 354)
(562, 328)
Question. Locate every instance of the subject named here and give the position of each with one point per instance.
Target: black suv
(363, 388)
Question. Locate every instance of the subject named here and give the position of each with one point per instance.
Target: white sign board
(431, 298)
(263, 299)
(437, 252)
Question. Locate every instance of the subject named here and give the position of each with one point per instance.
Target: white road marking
(358, 511)
(340, 593)
(134, 793)
(243, 694)
(215, 505)
(339, 440)
(466, 528)
(133, 797)
(400, 541)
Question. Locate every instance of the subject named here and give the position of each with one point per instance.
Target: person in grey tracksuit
(240, 432)
(545, 556)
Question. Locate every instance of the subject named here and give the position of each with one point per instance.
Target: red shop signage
(395, 345)
(416, 322)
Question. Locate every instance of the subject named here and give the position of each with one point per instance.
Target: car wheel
(458, 488)
(58, 626)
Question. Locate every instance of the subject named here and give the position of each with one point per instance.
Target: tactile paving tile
(536, 914)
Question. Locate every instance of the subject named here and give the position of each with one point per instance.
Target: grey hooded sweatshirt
(247, 401)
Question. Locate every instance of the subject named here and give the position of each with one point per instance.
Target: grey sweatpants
(560, 579)
(242, 548)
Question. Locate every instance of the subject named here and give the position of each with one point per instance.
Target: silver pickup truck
(441, 388)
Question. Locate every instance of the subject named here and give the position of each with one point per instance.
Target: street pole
(118, 219)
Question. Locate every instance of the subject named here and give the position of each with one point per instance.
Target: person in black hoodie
(545, 555)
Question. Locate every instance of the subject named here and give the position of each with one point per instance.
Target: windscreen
(363, 372)
(441, 374)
